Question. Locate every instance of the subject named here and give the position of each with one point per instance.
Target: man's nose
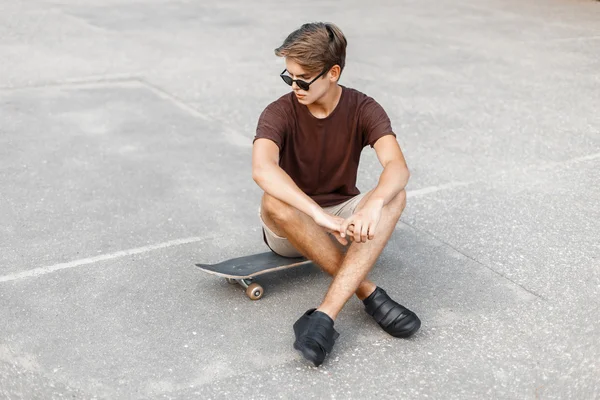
(295, 86)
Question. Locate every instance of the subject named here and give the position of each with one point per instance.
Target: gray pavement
(125, 138)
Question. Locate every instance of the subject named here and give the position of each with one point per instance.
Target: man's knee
(277, 210)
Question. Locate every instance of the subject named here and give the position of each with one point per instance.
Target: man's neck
(323, 107)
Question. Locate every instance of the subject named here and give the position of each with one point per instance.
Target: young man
(305, 157)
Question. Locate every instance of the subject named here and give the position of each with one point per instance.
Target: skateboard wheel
(231, 281)
(254, 291)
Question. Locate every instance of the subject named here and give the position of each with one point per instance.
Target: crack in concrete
(100, 80)
(473, 259)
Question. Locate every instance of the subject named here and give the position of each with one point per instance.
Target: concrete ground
(125, 144)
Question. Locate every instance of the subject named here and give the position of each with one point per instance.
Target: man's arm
(395, 175)
(267, 174)
(392, 181)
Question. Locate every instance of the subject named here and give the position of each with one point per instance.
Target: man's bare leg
(360, 258)
(308, 238)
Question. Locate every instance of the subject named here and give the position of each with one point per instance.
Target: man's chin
(304, 100)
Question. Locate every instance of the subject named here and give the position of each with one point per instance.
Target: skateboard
(243, 270)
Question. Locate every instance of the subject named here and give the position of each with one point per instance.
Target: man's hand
(364, 222)
(332, 224)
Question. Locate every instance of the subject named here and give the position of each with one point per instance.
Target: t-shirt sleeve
(272, 124)
(374, 122)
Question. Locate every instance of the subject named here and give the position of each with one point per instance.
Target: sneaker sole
(412, 331)
(307, 353)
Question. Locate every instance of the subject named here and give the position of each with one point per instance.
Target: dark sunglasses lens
(287, 79)
(303, 85)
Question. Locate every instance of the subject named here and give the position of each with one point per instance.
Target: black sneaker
(315, 336)
(394, 318)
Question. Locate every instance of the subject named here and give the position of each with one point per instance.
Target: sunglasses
(301, 84)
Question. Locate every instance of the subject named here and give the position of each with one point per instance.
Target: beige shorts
(283, 247)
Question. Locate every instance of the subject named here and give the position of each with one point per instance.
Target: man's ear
(334, 73)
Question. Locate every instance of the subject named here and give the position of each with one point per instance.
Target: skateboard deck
(243, 270)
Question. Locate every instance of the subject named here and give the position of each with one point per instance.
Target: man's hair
(316, 47)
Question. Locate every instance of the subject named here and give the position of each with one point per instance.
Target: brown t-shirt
(322, 155)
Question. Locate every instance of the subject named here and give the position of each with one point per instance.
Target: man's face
(316, 90)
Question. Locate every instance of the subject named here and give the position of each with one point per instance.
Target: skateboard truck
(253, 290)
